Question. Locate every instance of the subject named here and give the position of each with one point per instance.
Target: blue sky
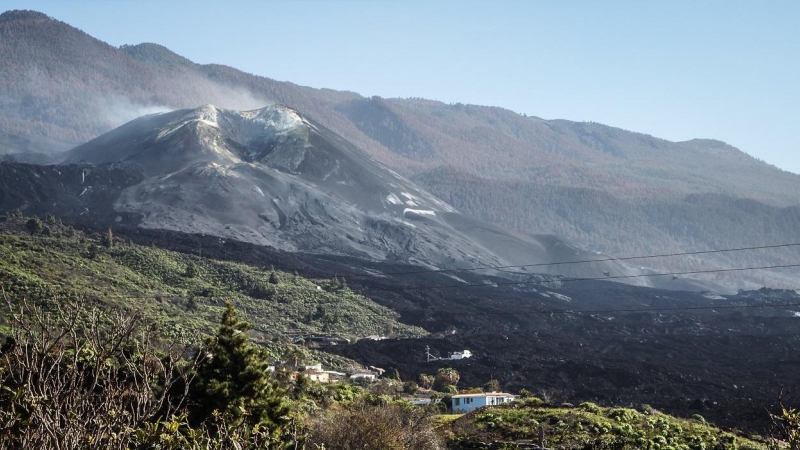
(727, 70)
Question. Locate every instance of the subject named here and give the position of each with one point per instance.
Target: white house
(461, 355)
(464, 403)
(364, 376)
(334, 374)
(317, 375)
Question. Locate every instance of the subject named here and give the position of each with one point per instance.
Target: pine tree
(108, 239)
(34, 225)
(191, 270)
(234, 379)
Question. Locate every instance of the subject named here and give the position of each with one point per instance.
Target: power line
(564, 280)
(153, 314)
(610, 277)
(626, 310)
(541, 282)
(585, 261)
(536, 282)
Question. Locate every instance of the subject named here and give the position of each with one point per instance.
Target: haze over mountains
(606, 189)
(272, 177)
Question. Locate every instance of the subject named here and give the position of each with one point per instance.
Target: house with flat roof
(368, 376)
(465, 403)
(317, 375)
(461, 355)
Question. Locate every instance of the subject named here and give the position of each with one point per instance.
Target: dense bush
(368, 426)
(589, 426)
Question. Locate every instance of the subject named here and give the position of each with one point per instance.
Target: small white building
(464, 403)
(364, 376)
(461, 355)
(316, 375)
(335, 374)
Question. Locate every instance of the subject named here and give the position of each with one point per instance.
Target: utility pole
(428, 355)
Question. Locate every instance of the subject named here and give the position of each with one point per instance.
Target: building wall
(469, 404)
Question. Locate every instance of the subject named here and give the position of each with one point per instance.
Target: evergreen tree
(191, 270)
(108, 239)
(34, 226)
(92, 251)
(234, 379)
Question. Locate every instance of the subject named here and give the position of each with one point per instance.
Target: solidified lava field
(727, 364)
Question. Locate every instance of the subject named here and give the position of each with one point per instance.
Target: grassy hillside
(182, 294)
(589, 426)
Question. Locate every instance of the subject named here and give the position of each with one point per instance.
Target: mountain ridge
(274, 177)
(91, 87)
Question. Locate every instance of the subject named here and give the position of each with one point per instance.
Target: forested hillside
(180, 294)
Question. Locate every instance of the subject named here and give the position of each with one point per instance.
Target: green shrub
(34, 226)
(623, 415)
(410, 387)
(191, 270)
(449, 389)
(532, 401)
(589, 407)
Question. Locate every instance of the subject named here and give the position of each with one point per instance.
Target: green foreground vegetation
(111, 345)
(589, 426)
(78, 378)
(181, 294)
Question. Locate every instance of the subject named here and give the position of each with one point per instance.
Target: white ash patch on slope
(559, 296)
(425, 212)
(206, 114)
(393, 199)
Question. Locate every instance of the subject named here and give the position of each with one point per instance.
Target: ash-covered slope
(273, 177)
(604, 188)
